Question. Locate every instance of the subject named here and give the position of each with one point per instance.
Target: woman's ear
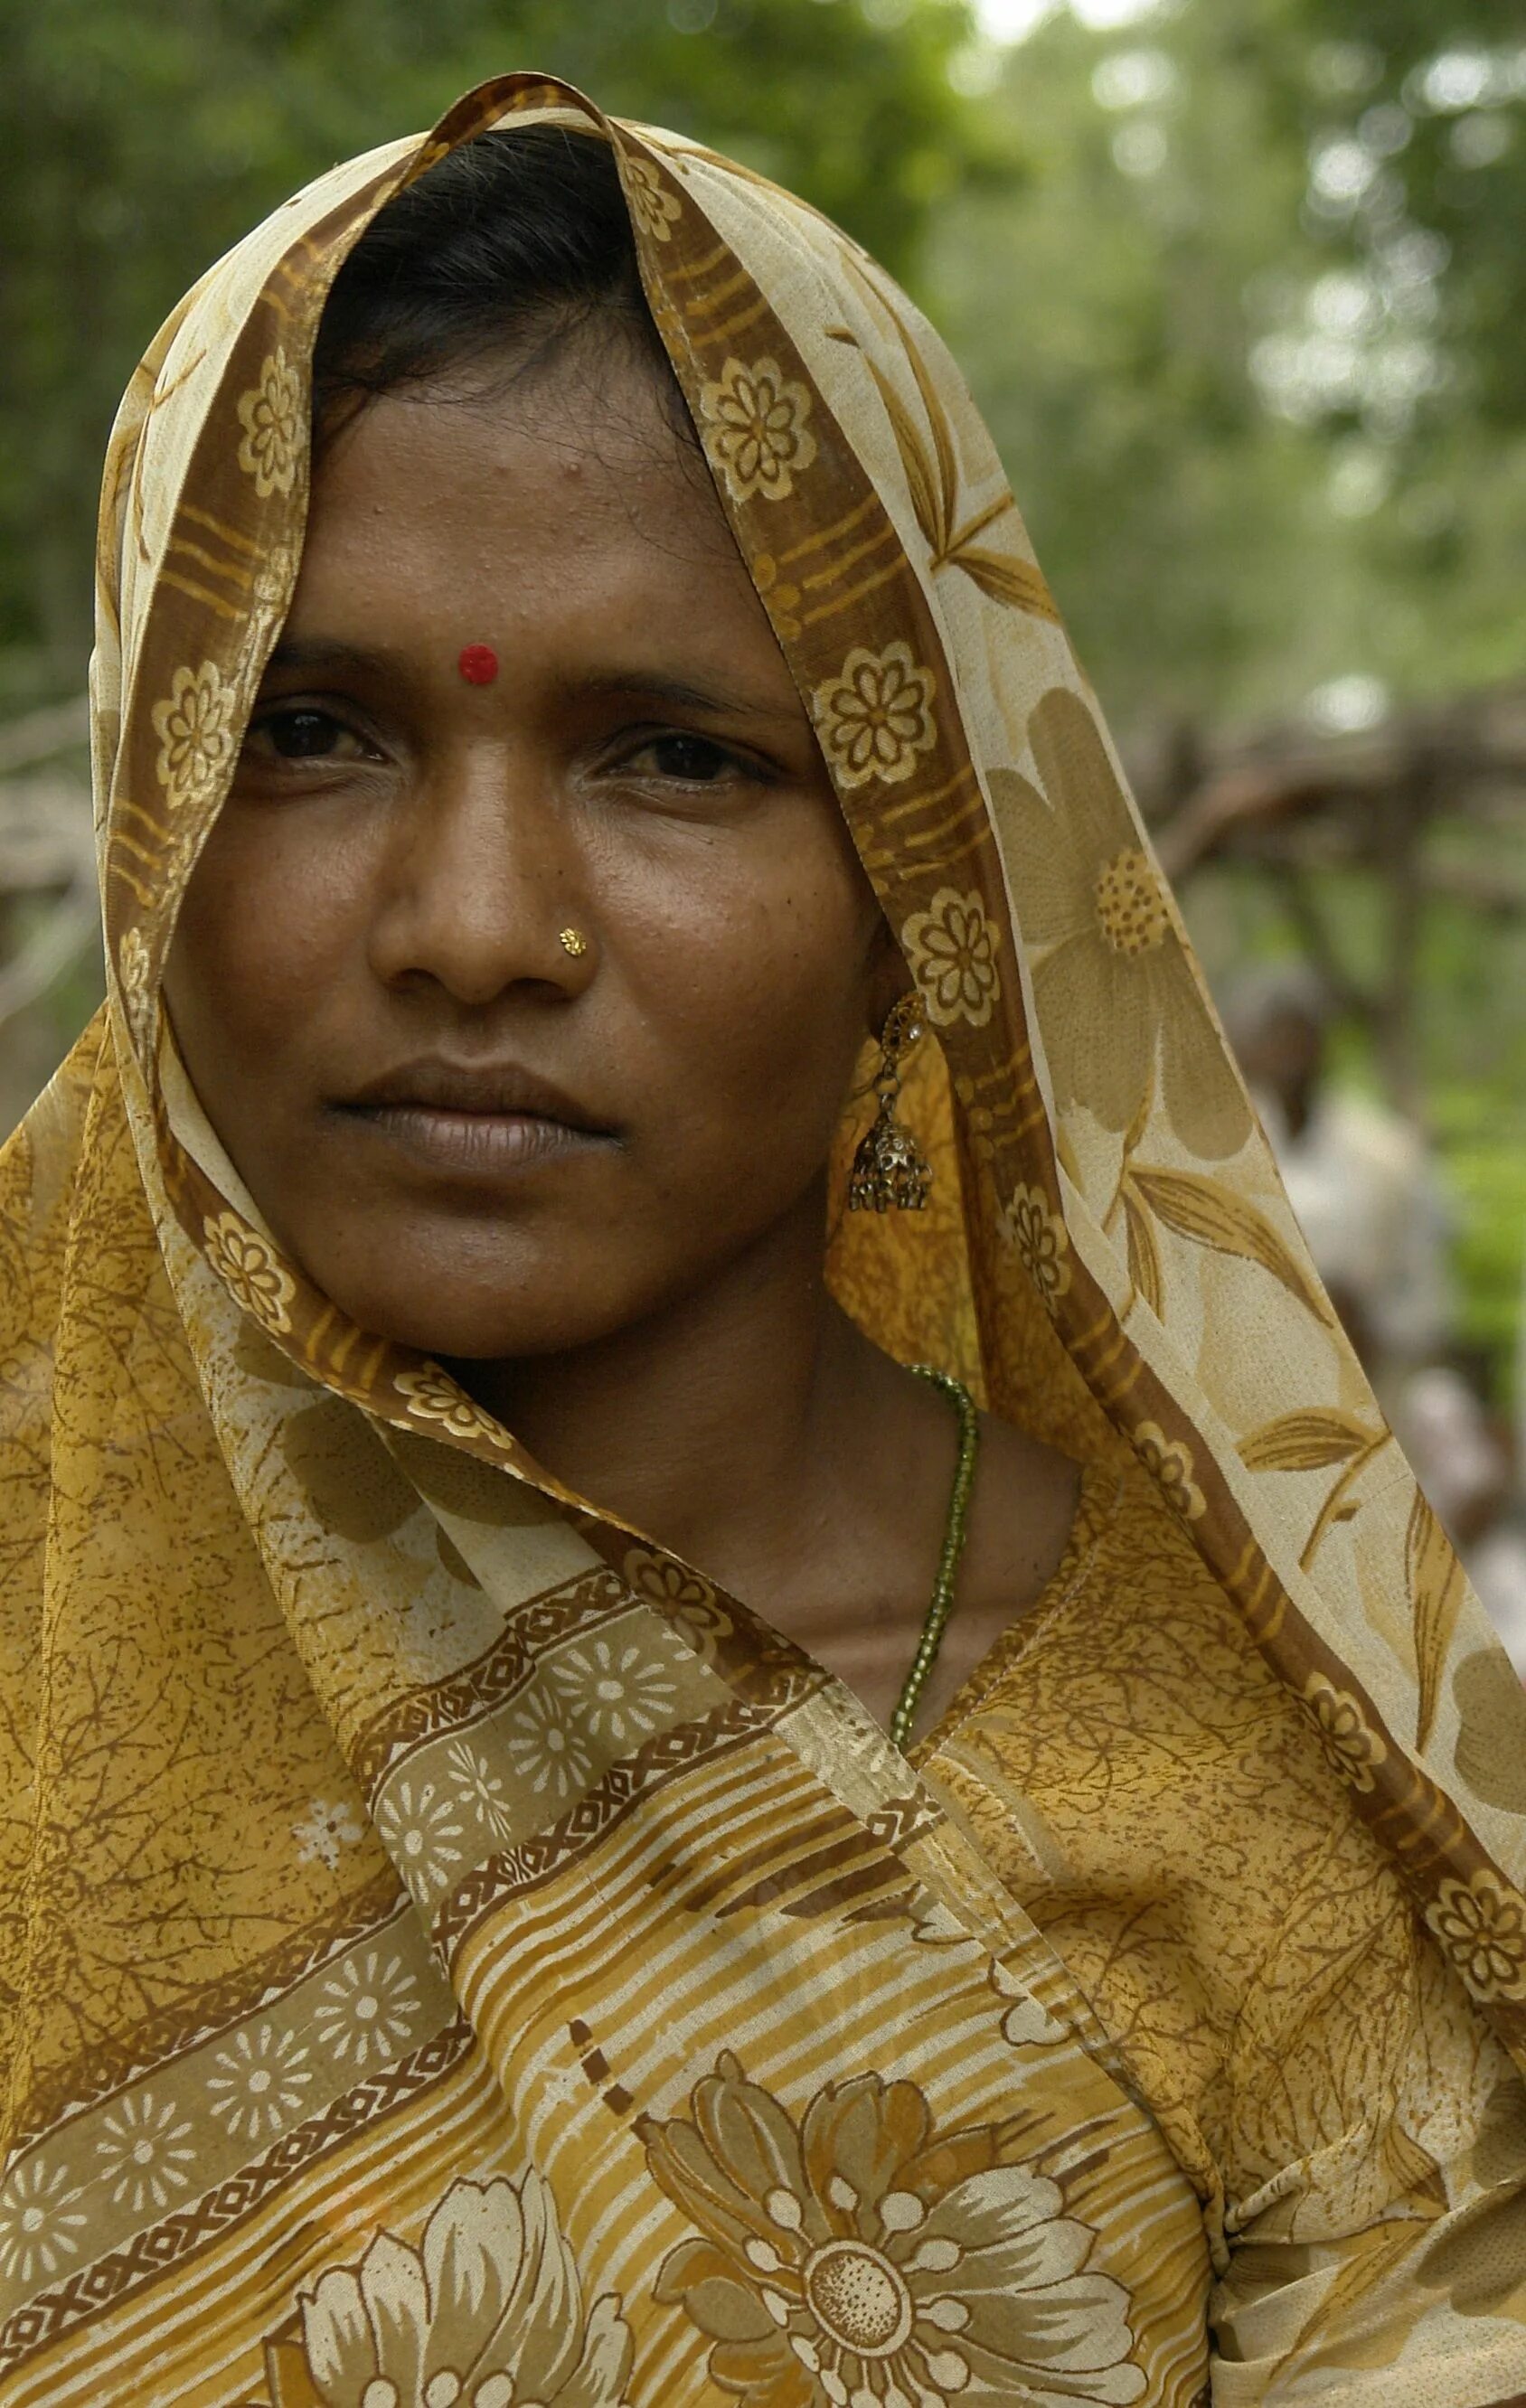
(888, 977)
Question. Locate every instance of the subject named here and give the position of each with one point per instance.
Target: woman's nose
(483, 886)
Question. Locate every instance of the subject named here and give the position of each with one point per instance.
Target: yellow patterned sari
(453, 1957)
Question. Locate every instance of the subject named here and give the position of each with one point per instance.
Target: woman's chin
(469, 1321)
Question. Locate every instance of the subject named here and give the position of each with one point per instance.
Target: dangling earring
(889, 1168)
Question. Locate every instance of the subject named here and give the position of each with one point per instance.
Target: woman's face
(474, 1139)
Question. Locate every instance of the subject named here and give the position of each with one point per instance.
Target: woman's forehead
(440, 519)
(580, 444)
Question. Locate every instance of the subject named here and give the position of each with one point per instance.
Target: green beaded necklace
(935, 1622)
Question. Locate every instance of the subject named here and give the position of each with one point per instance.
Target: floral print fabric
(1347, 2117)
(755, 429)
(865, 2257)
(453, 1955)
(1107, 942)
(484, 2312)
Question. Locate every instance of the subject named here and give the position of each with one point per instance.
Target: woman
(513, 1895)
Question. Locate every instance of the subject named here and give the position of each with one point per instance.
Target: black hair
(511, 244)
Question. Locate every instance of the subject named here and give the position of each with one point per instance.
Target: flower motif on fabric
(133, 969)
(862, 2259)
(655, 209)
(485, 2313)
(144, 2157)
(257, 2083)
(434, 1397)
(1169, 1462)
(1107, 941)
(1041, 1240)
(330, 1826)
(551, 1759)
(249, 1269)
(479, 1788)
(951, 948)
(874, 718)
(1352, 1748)
(198, 741)
(616, 1689)
(273, 421)
(754, 429)
(1132, 911)
(683, 1596)
(40, 2222)
(369, 2011)
(420, 1826)
(1481, 1924)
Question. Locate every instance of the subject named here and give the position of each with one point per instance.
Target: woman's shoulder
(1140, 1777)
(1134, 1661)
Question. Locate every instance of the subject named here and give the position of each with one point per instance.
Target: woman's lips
(475, 1121)
(479, 1145)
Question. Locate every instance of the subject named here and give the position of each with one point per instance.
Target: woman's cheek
(776, 942)
(285, 930)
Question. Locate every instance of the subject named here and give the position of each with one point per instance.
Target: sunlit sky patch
(1012, 21)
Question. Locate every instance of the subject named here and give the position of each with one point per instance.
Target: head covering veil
(395, 1845)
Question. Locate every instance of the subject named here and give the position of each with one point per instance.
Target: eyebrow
(302, 654)
(649, 686)
(326, 652)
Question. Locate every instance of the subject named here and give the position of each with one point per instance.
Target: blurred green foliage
(1252, 339)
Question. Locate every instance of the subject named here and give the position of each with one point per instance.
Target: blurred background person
(1359, 1176)
(1368, 1195)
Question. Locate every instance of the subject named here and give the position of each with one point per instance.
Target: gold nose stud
(574, 942)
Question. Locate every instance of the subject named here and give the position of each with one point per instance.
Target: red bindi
(479, 663)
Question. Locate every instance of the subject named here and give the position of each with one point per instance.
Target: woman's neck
(739, 1427)
(751, 1429)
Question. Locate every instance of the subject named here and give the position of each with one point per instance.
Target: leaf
(1436, 1590)
(1490, 1753)
(1133, 1135)
(1143, 1255)
(1311, 1441)
(935, 482)
(1004, 578)
(1198, 1208)
(1413, 2173)
(1372, 2259)
(920, 474)
(942, 434)
(1006, 500)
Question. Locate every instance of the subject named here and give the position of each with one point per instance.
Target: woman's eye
(693, 759)
(302, 735)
